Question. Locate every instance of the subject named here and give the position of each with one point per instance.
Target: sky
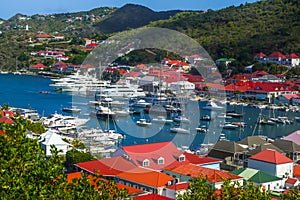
(8, 8)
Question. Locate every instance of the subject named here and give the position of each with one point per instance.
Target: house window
(161, 161)
(181, 158)
(146, 163)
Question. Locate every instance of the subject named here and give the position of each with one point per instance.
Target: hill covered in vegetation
(241, 32)
(131, 16)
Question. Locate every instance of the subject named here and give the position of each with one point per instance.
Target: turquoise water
(24, 91)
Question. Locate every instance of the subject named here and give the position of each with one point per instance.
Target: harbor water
(35, 93)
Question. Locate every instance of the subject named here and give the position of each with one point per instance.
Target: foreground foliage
(26, 173)
(199, 190)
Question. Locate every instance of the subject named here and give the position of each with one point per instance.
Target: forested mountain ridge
(241, 32)
(131, 16)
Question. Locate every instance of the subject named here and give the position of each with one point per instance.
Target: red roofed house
(106, 167)
(43, 36)
(131, 191)
(6, 120)
(272, 162)
(278, 58)
(288, 99)
(203, 161)
(184, 173)
(260, 57)
(291, 182)
(148, 180)
(155, 156)
(38, 66)
(293, 60)
(152, 197)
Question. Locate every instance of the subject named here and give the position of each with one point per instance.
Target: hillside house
(272, 162)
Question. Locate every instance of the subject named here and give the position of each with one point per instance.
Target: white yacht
(162, 119)
(62, 122)
(143, 122)
(78, 83)
(179, 130)
(212, 106)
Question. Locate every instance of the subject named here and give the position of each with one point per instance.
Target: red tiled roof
(2, 133)
(291, 181)
(108, 166)
(6, 113)
(152, 197)
(6, 120)
(166, 150)
(212, 175)
(146, 176)
(196, 159)
(43, 35)
(271, 156)
(293, 55)
(259, 72)
(133, 74)
(78, 175)
(260, 55)
(276, 54)
(38, 66)
(179, 186)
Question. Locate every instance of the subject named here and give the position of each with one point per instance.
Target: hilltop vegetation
(241, 32)
(131, 16)
(237, 32)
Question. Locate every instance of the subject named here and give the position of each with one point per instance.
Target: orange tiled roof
(297, 171)
(74, 175)
(195, 171)
(146, 176)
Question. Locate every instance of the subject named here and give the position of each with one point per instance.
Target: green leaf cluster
(26, 173)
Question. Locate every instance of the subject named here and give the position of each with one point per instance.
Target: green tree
(26, 173)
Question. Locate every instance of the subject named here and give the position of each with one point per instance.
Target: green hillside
(131, 16)
(240, 32)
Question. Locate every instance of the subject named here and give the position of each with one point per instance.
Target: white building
(51, 138)
(272, 162)
(182, 86)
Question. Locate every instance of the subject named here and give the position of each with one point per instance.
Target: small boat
(105, 113)
(44, 92)
(201, 129)
(240, 124)
(212, 106)
(72, 109)
(143, 122)
(133, 111)
(181, 119)
(205, 118)
(224, 116)
(297, 119)
(179, 130)
(234, 114)
(229, 126)
(162, 119)
(121, 113)
(222, 137)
